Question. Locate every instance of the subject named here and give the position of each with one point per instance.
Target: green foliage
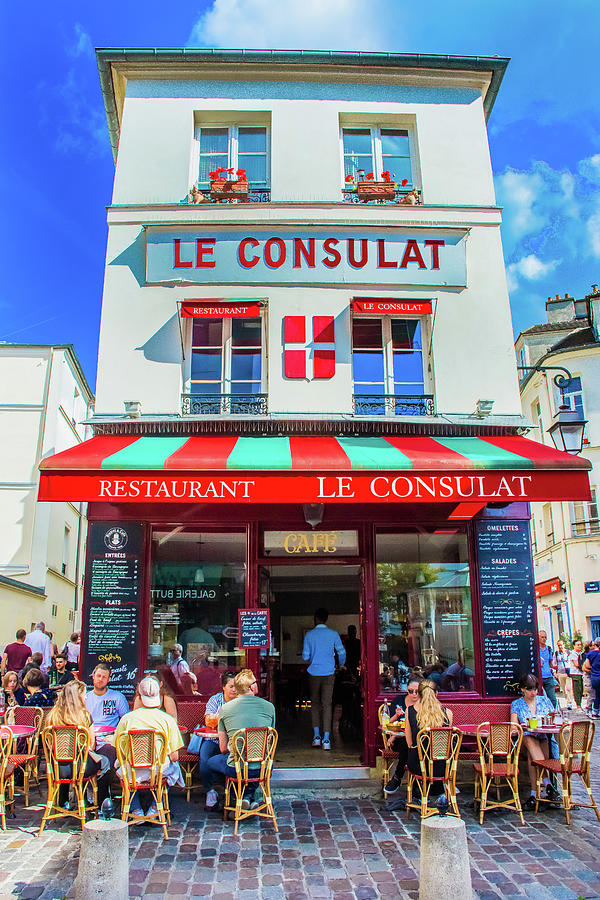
(569, 641)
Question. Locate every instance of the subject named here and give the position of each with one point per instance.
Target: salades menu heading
(380, 256)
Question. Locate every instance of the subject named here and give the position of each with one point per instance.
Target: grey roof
(546, 327)
(495, 66)
(583, 337)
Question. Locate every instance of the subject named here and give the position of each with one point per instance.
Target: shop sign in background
(323, 256)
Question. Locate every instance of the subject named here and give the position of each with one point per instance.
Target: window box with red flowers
(368, 189)
(228, 184)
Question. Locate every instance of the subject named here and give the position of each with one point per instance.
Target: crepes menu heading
(112, 601)
(507, 594)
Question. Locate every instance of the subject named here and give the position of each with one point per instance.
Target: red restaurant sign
(552, 586)
(219, 309)
(393, 307)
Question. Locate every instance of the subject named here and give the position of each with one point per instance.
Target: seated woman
(532, 706)
(398, 710)
(427, 712)
(36, 692)
(210, 746)
(70, 709)
(13, 691)
(167, 700)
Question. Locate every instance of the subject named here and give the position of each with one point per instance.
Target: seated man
(105, 705)
(246, 711)
(149, 716)
(59, 673)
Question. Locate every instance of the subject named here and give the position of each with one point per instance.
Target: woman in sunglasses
(398, 710)
(210, 746)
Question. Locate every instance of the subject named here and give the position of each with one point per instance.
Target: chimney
(560, 309)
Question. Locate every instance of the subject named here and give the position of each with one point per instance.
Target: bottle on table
(385, 714)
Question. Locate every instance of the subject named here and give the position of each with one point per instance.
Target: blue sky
(57, 170)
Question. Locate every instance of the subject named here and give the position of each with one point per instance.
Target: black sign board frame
(254, 629)
(112, 602)
(507, 603)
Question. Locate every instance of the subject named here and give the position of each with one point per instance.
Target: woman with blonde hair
(427, 712)
(70, 709)
(13, 690)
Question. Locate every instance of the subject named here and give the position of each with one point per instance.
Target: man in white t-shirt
(179, 666)
(105, 706)
(39, 642)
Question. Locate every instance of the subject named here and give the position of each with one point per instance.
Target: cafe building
(307, 393)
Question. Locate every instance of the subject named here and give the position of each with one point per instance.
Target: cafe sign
(409, 256)
(313, 543)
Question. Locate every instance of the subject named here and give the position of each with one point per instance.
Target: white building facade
(44, 399)
(566, 536)
(307, 391)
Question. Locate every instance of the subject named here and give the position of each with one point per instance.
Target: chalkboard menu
(112, 601)
(506, 588)
(254, 628)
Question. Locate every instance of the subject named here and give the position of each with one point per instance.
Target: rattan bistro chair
(499, 744)
(435, 746)
(575, 745)
(388, 755)
(32, 716)
(253, 751)
(6, 775)
(142, 756)
(67, 745)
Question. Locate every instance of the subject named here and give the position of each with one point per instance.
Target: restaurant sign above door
(408, 256)
(311, 543)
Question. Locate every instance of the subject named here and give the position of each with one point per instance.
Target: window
(66, 550)
(572, 395)
(387, 363)
(548, 522)
(536, 418)
(378, 150)
(71, 615)
(425, 608)
(226, 356)
(234, 147)
(54, 611)
(584, 516)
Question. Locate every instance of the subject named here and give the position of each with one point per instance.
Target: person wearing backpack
(576, 657)
(561, 660)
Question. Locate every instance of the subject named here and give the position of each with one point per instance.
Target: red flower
(230, 171)
(404, 182)
(212, 175)
(386, 176)
(370, 176)
(241, 174)
(349, 178)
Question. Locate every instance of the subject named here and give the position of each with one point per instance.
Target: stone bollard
(445, 873)
(103, 861)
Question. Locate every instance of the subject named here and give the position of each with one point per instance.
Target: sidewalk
(344, 849)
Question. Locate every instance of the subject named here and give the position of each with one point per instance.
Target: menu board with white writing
(112, 602)
(506, 587)
(254, 628)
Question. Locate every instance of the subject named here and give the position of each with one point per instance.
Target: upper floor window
(387, 363)
(234, 147)
(378, 150)
(572, 395)
(584, 516)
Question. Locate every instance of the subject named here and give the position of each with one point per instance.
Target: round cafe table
(103, 730)
(19, 731)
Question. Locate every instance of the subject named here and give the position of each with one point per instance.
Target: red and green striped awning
(312, 469)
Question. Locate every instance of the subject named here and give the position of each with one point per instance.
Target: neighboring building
(566, 536)
(44, 399)
(306, 399)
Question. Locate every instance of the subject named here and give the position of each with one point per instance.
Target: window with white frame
(66, 550)
(572, 395)
(536, 417)
(234, 147)
(584, 516)
(378, 150)
(387, 361)
(548, 522)
(227, 356)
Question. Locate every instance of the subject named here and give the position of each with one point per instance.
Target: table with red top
(19, 731)
(103, 730)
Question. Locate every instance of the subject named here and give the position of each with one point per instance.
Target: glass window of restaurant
(425, 621)
(198, 584)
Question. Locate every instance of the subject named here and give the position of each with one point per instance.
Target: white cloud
(529, 267)
(82, 44)
(292, 24)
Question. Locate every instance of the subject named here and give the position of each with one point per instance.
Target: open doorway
(294, 592)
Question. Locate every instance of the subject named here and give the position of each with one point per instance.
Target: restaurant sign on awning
(551, 586)
(220, 309)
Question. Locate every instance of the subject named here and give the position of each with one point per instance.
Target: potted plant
(228, 184)
(369, 189)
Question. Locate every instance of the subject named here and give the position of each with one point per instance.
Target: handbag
(195, 742)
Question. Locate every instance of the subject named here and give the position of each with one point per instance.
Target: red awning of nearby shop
(550, 586)
(321, 469)
(219, 309)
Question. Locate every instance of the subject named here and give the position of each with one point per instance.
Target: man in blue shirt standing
(320, 647)
(547, 664)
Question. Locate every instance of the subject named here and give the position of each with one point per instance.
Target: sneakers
(392, 786)
(212, 799)
(245, 803)
(136, 810)
(529, 803)
(395, 805)
(552, 794)
(152, 811)
(316, 742)
(326, 745)
(255, 804)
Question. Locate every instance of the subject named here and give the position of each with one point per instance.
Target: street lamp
(568, 425)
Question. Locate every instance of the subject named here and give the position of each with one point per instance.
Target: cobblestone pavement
(344, 849)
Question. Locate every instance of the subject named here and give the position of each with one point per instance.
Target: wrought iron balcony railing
(393, 405)
(224, 404)
(585, 526)
(401, 196)
(255, 195)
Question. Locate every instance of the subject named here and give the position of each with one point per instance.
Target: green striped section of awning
(373, 453)
(260, 453)
(145, 453)
(484, 455)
